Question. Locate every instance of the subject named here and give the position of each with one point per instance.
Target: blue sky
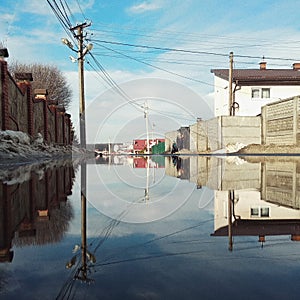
(32, 33)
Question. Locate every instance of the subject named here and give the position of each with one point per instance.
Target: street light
(68, 43)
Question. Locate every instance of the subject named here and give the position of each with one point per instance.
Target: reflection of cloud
(122, 194)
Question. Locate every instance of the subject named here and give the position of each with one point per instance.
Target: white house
(254, 88)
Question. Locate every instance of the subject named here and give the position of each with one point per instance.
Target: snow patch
(15, 136)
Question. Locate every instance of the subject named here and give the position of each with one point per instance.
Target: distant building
(140, 145)
(106, 148)
(254, 88)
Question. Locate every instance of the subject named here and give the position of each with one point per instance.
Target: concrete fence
(280, 122)
(218, 133)
(30, 111)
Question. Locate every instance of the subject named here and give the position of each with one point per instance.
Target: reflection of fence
(281, 183)
(278, 181)
(280, 122)
(35, 209)
(22, 111)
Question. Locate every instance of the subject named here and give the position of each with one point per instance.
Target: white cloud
(35, 7)
(144, 7)
(8, 17)
(42, 7)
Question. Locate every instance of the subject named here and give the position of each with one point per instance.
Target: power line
(62, 18)
(189, 51)
(70, 12)
(156, 67)
(79, 6)
(191, 36)
(108, 79)
(160, 48)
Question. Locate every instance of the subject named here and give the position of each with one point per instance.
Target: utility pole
(147, 126)
(81, 54)
(230, 102)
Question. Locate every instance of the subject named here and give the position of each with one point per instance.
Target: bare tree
(46, 77)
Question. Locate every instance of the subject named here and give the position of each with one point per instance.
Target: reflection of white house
(250, 215)
(254, 88)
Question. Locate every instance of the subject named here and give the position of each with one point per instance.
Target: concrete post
(295, 120)
(264, 125)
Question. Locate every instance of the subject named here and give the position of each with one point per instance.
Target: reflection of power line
(148, 257)
(135, 246)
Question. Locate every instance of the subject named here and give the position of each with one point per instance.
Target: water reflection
(34, 206)
(142, 227)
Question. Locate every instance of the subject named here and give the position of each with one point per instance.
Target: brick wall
(29, 111)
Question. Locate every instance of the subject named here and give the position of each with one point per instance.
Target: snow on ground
(21, 155)
(17, 146)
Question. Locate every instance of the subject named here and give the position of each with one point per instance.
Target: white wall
(247, 105)
(221, 97)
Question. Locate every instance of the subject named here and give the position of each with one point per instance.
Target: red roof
(261, 76)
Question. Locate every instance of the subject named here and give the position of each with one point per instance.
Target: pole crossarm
(82, 25)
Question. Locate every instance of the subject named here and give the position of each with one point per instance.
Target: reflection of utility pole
(230, 102)
(147, 180)
(109, 152)
(82, 271)
(229, 216)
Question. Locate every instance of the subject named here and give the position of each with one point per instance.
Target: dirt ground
(270, 149)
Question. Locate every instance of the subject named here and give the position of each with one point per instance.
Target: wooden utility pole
(230, 102)
(79, 28)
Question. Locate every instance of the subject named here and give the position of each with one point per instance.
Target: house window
(260, 212)
(254, 212)
(255, 93)
(265, 212)
(265, 93)
(260, 93)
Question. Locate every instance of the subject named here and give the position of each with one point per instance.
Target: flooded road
(161, 228)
